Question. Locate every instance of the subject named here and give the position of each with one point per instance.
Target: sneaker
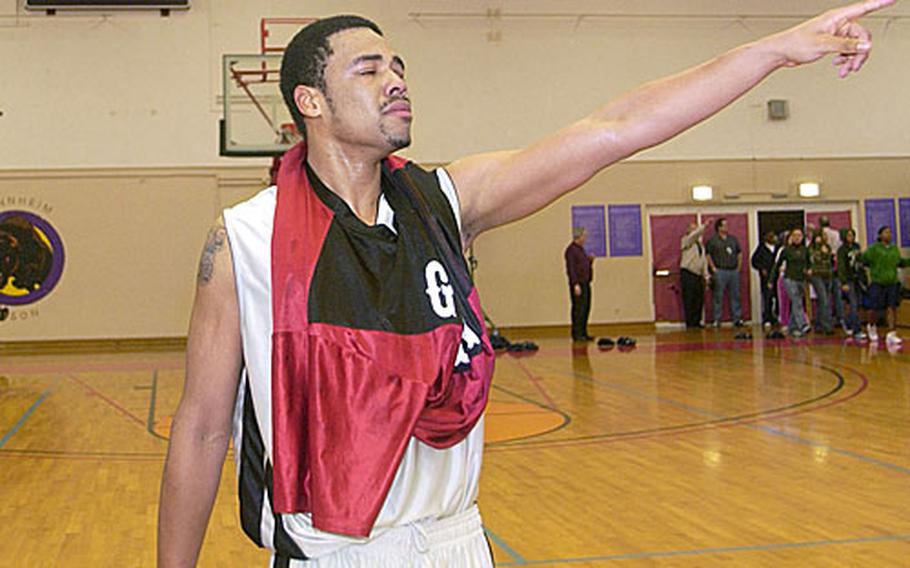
(860, 336)
(738, 323)
(872, 332)
(796, 334)
(805, 329)
(716, 323)
(843, 324)
(892, 339)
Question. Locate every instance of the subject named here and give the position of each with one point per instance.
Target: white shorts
(454, 542)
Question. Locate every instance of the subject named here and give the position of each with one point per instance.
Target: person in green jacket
(884, 258)
(848, 275)
(796, 256)
(821, 272)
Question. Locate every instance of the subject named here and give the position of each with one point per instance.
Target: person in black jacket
(579, 269)
(763, 261)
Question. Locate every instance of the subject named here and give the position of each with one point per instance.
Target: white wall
(126, 89)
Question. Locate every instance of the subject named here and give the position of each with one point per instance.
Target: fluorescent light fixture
(809, 190)
(702, 193)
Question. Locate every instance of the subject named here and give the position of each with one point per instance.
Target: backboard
(256, 121)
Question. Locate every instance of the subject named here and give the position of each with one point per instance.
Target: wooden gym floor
(693, 449)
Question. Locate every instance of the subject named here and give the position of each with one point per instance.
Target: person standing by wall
(884, 258)
(821, 271)
(763, 261)
(796, 258)
(580, 270)
(848, 275)
(833, 238)
(693, 270)
(725, 258)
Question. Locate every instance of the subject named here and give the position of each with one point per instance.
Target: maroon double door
(666, 235)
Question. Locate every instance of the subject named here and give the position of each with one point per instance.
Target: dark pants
(769, 307)
(693, 296)
(581, 307)
(822, 287)
(853, 308)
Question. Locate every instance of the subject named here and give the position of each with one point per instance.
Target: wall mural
(31, 259)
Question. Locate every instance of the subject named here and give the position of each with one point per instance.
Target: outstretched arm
(202, 426)
(500, 187)
(689, 239)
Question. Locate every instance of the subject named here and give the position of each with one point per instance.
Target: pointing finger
(858, 10)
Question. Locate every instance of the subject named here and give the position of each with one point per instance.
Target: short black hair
(306, 55)
(882, 230)
(718, 223)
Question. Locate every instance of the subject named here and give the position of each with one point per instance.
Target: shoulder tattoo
(213, 245)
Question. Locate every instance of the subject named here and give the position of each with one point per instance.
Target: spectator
(884, 258)
(821, 271)
(693, 271)
(579, 268)
(832, 236)
(796, 258)
(763, 261)
(725, 258)
(849, 273)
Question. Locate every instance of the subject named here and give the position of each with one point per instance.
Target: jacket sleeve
(690, 238)
(756, 259)
(842, 262)
(775, 271)
(570, 268)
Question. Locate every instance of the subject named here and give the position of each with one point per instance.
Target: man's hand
(577, 289)
(835, 31)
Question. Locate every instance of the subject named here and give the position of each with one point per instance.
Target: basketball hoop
(255, 121)
(288, 134)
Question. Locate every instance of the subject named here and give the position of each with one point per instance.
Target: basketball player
(335, 330)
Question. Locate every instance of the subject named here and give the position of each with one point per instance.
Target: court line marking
(88, 366)
(719, 421)
(747, 423)
(793, 437)
(31, 409)
(109, 401)
(536, 381)
(153, 396)
(518, 558)
(150, 423)
(566, 418)
(718, 550)
(704, 344)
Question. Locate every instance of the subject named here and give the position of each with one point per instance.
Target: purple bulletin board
(903, 205)
(625, 230)
(591, 217)
(879, 212)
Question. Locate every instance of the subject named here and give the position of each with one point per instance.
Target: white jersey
(429, 483)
